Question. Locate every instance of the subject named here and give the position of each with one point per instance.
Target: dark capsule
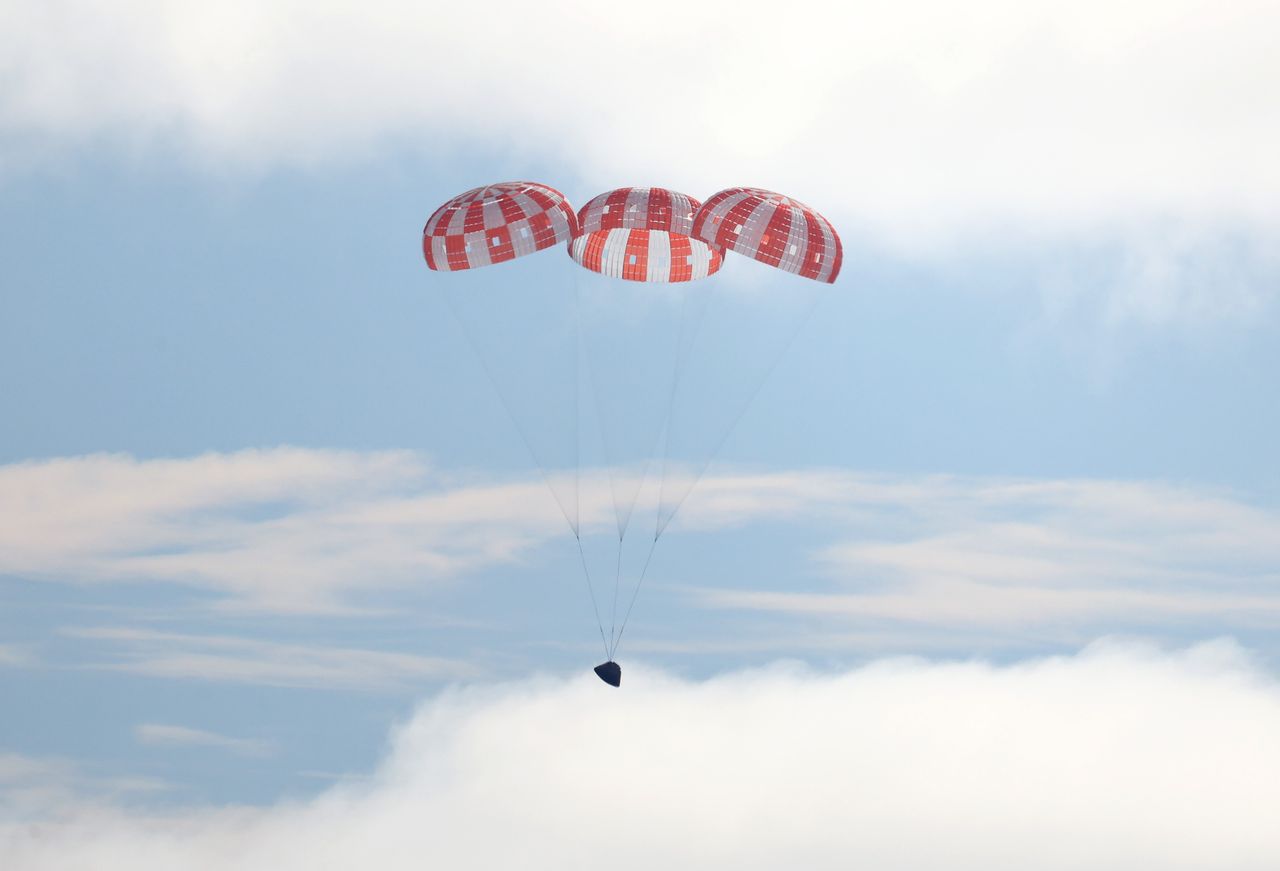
(610, 672)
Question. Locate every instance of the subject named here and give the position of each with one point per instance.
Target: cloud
(1184, 272)
(39, 788)
(296, 530)
(304, 531)
(230, 659)
(283, 530)
(13, 655)
(925, 126)
(968, 604)
(33, 785)
(1114, 164)
(1119, 757)
(966, 555)
(167, 735)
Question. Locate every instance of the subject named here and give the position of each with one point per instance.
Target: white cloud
(13, 655)
(283, 529)
(907, 113)
(38, 788)
(995, 125)
(166, 734)
(1172, 273)
(33, 785)
(1120, 757)
(982, 554)
(232, 659)
(968, 604)
(298, 531)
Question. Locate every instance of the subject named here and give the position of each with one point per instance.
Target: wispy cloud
(297, 530)
(1122, 756)
(1005, 554)
(284, 529)
(302, 531)
(1179, 273)
(13, 655)
(43, 787)
(167, 735)
(231, 659)
(973, 605)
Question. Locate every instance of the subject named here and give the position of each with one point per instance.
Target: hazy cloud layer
(169, 735)
(40, 788)
(281, 530)
(1120, 757)
(975, 554)
(11, 654)
(296, 531)
(229, 659)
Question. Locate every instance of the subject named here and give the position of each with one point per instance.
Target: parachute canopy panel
(773, 229)
(643, 234)
(496, 223)
(639, 209)
(645, 255)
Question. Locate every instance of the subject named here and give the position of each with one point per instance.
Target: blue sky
(267, 534)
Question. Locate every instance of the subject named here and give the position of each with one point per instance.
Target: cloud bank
(904, 119)
(1122, 756)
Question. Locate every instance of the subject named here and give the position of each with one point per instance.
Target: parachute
(775, 230)
(643, 234)
(496, 223)
(625, 366)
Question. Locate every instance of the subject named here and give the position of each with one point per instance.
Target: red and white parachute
(495, 223)
(773, 229)
(643, 234)
(640, 234)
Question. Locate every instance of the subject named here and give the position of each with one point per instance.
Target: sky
(987, 574)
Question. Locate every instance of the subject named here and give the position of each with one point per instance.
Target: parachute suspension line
(573, 519)
(683, 349)
(622, 509)
(592, 592)
(577, 457)
(617, 579)
(665, 517)
(634, 595)
(691, 317)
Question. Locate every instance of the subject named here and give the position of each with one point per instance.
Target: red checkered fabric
(642, 234)
(639, 209)
(773, 229)
(645, 255)
(495, 223)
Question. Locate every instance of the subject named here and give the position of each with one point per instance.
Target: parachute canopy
(772, 228)
(495, 223)
(643, 234)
